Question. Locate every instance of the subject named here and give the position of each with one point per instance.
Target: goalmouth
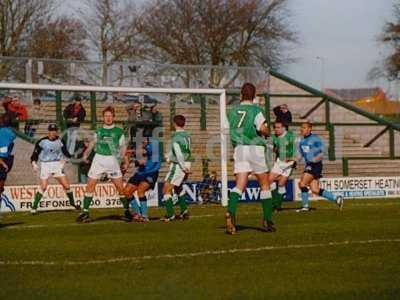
(223, 130)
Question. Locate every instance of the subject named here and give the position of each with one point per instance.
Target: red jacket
(19, 109)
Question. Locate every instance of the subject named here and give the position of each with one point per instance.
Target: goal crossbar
(85, 88)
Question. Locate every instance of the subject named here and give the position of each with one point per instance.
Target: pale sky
(341, 32)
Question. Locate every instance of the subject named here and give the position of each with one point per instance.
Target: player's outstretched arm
(65, 150)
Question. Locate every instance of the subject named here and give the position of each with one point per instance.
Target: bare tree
(216, 32)
(62, 38)
(16, 20)
(110, 28)
(390, 68)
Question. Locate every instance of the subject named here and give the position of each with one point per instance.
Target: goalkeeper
(51, 152)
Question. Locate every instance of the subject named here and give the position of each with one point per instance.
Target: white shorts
(105, 164)
(250, 159)
(51, 169)
(175, 175)
(282, 168)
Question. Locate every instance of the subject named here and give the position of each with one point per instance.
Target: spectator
(36, 117)
(74, 115)
(15, 109)
(134, 111)
(153, 116)
(157, 116)
(209, 189)
(147, 114)
(283, 115)
(8, 111)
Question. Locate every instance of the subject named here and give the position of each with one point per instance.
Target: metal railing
(346, 160)
(198, 76)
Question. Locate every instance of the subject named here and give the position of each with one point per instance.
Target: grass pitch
(324, 254)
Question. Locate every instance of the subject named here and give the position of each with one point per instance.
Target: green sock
(86, 202)
(233, 200)
(169, 206)
(70, 196)
(267, 208)
(125, 202)
(38, 197)
(182, 203)
(279, 200)
(275, 198)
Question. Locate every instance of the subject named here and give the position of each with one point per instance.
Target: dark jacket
(285, 118)
(70, 113)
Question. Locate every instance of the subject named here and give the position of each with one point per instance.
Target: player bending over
(311, 149)
(285, 149)
(179, 157)
(7, 137)
(51, 153)
(148, 163)
(247, 130)
(109, 145)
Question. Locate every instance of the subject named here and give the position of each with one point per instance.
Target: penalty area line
(137, 259)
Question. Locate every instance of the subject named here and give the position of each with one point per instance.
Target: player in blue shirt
(7, 137)
(311, 149)
(148, 163)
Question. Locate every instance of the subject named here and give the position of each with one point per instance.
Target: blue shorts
(315, 169)
(9, 162)
(150, 178)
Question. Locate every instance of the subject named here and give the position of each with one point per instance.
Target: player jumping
(179, 169)
(311, 149)
(148, 163)
(51, 152)
(109, 144)
(285, 149)
(248, 128)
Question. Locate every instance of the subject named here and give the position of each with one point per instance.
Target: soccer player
(180, 163)
(7, 137)
(148, 163)
(311, 149)
(51, 152)
(248, 130)
(285, 149)
(110, 145)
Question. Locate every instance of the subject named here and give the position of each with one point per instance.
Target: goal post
(221, 93)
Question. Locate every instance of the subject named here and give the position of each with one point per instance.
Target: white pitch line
(87, 224)
(193, 217)
(136, 259)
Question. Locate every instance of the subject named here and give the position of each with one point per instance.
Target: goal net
(139, 111)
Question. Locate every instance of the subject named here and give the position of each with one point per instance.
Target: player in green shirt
(179, 156)
(110, 148)
(247, 131)
(285, 150)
